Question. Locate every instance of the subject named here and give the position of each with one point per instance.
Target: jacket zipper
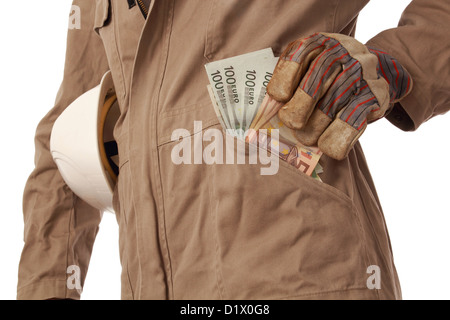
(144, 10)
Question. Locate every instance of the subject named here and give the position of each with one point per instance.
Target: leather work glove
(333, 86)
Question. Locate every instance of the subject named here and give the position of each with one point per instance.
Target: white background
(410, 169)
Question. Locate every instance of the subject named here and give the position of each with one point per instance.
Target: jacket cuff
(46, 290)
(400, 118)
(409, 113)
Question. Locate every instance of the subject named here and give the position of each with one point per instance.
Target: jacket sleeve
(60, 228)
(420, 43)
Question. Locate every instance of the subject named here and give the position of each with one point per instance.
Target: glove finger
(324, 70)
(344, 87)
(337, 84)
(363, 104)
(316, 82)
(339, 138)
(293, 64)
(313, 129)
(340, 91)
(341, 135)
(297, 111)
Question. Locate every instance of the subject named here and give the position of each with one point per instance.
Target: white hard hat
(83, 146)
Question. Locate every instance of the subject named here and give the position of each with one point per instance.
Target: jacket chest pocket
(237, 26)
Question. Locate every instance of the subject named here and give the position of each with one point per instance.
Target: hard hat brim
(76, 147)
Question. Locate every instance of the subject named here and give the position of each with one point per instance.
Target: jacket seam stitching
(364, 242)
(130, 287)
(363, 234)
(123, 215)
(68, 241)
(117, 51)
(210, 31)
(166, 139)
(371, 223)
(334, 14)
(138, 288)
(323, 293)
(38, 282)
(332, 191)
(138, 241)
(219, 273)
(167, 32)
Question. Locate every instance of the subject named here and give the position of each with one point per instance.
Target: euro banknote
(238, 83)
(305, 159)
(238, 94)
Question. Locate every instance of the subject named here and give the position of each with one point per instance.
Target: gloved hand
(333, 86)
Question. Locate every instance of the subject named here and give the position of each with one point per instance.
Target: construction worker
(225, 231)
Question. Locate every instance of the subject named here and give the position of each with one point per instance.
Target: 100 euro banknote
(239, 85)
(238, 93)
(305, 159)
